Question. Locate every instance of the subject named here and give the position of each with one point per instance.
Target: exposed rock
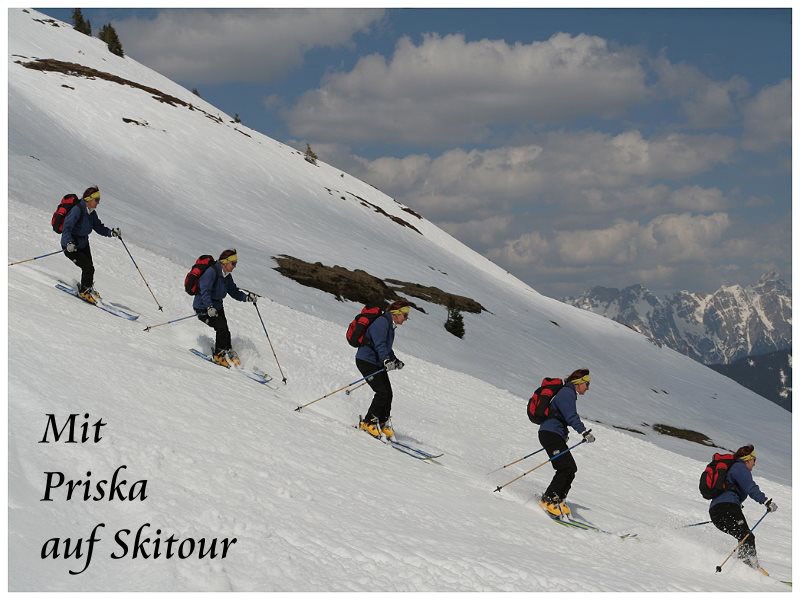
(360, 286)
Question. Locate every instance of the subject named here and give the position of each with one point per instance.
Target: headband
(403, 310)
(584, 379)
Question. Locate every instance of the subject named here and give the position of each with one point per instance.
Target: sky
(572, 147)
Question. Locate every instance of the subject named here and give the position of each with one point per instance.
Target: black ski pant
(83, 258)
(564, 465)
(381, 407)
(220, 325)
(729, 518)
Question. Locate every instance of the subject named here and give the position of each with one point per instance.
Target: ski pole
(339, 389)
(140, 272)
(500, 487)
(516, 461)
(348, 392)
(270, 342)
(719, 567)
(149, 327)
(34, 258)
(695, 524)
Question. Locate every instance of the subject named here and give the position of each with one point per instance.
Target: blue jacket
(378, 341)
(78, 224)
(563, 408)
(741, 485)
(212, 287)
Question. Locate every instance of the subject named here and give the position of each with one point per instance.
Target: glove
(389, 364)
(398, 364)
(251, 297)
(71, 247)
(588, 437)
(116, 232)
(771, 506)
(212, 312)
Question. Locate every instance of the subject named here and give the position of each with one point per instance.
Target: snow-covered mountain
(312, 503)
(732, 323)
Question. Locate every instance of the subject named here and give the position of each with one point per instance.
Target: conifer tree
(310, 155)
(455, 322)
(109, 35)
(80, 24)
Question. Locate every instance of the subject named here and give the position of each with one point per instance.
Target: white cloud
(667, 240)
(446, 88)
(596, 172)
(698, 199)
(676, 238)
(616, 244)
(705, 102)
(768, 118)
(479, 233)
(526, 250)
(241, 45)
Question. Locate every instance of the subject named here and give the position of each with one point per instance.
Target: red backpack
(67, 203)
(359, 325)
(714, 479)
(197, 270)
(539, 404)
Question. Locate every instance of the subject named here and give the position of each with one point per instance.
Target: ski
(585, 525)
(255, 374)
(424, 453)
(570, 521)
(577, 524)
(109, 307)
(404, 448)
(774, 578)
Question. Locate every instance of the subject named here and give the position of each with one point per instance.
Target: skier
(214, 284)
(553, 438)
(78, 224)
(725, 510)
(374, 353)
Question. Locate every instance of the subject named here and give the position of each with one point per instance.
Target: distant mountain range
(725, 328)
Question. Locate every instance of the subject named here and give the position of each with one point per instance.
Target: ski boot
(551, 507)
(221, 358)
(371, 427)
(387, 430)
(89, 295)
(233, 358)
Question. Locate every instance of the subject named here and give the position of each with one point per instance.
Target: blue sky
(574, 147)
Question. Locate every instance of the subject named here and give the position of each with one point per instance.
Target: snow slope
(314, 504)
